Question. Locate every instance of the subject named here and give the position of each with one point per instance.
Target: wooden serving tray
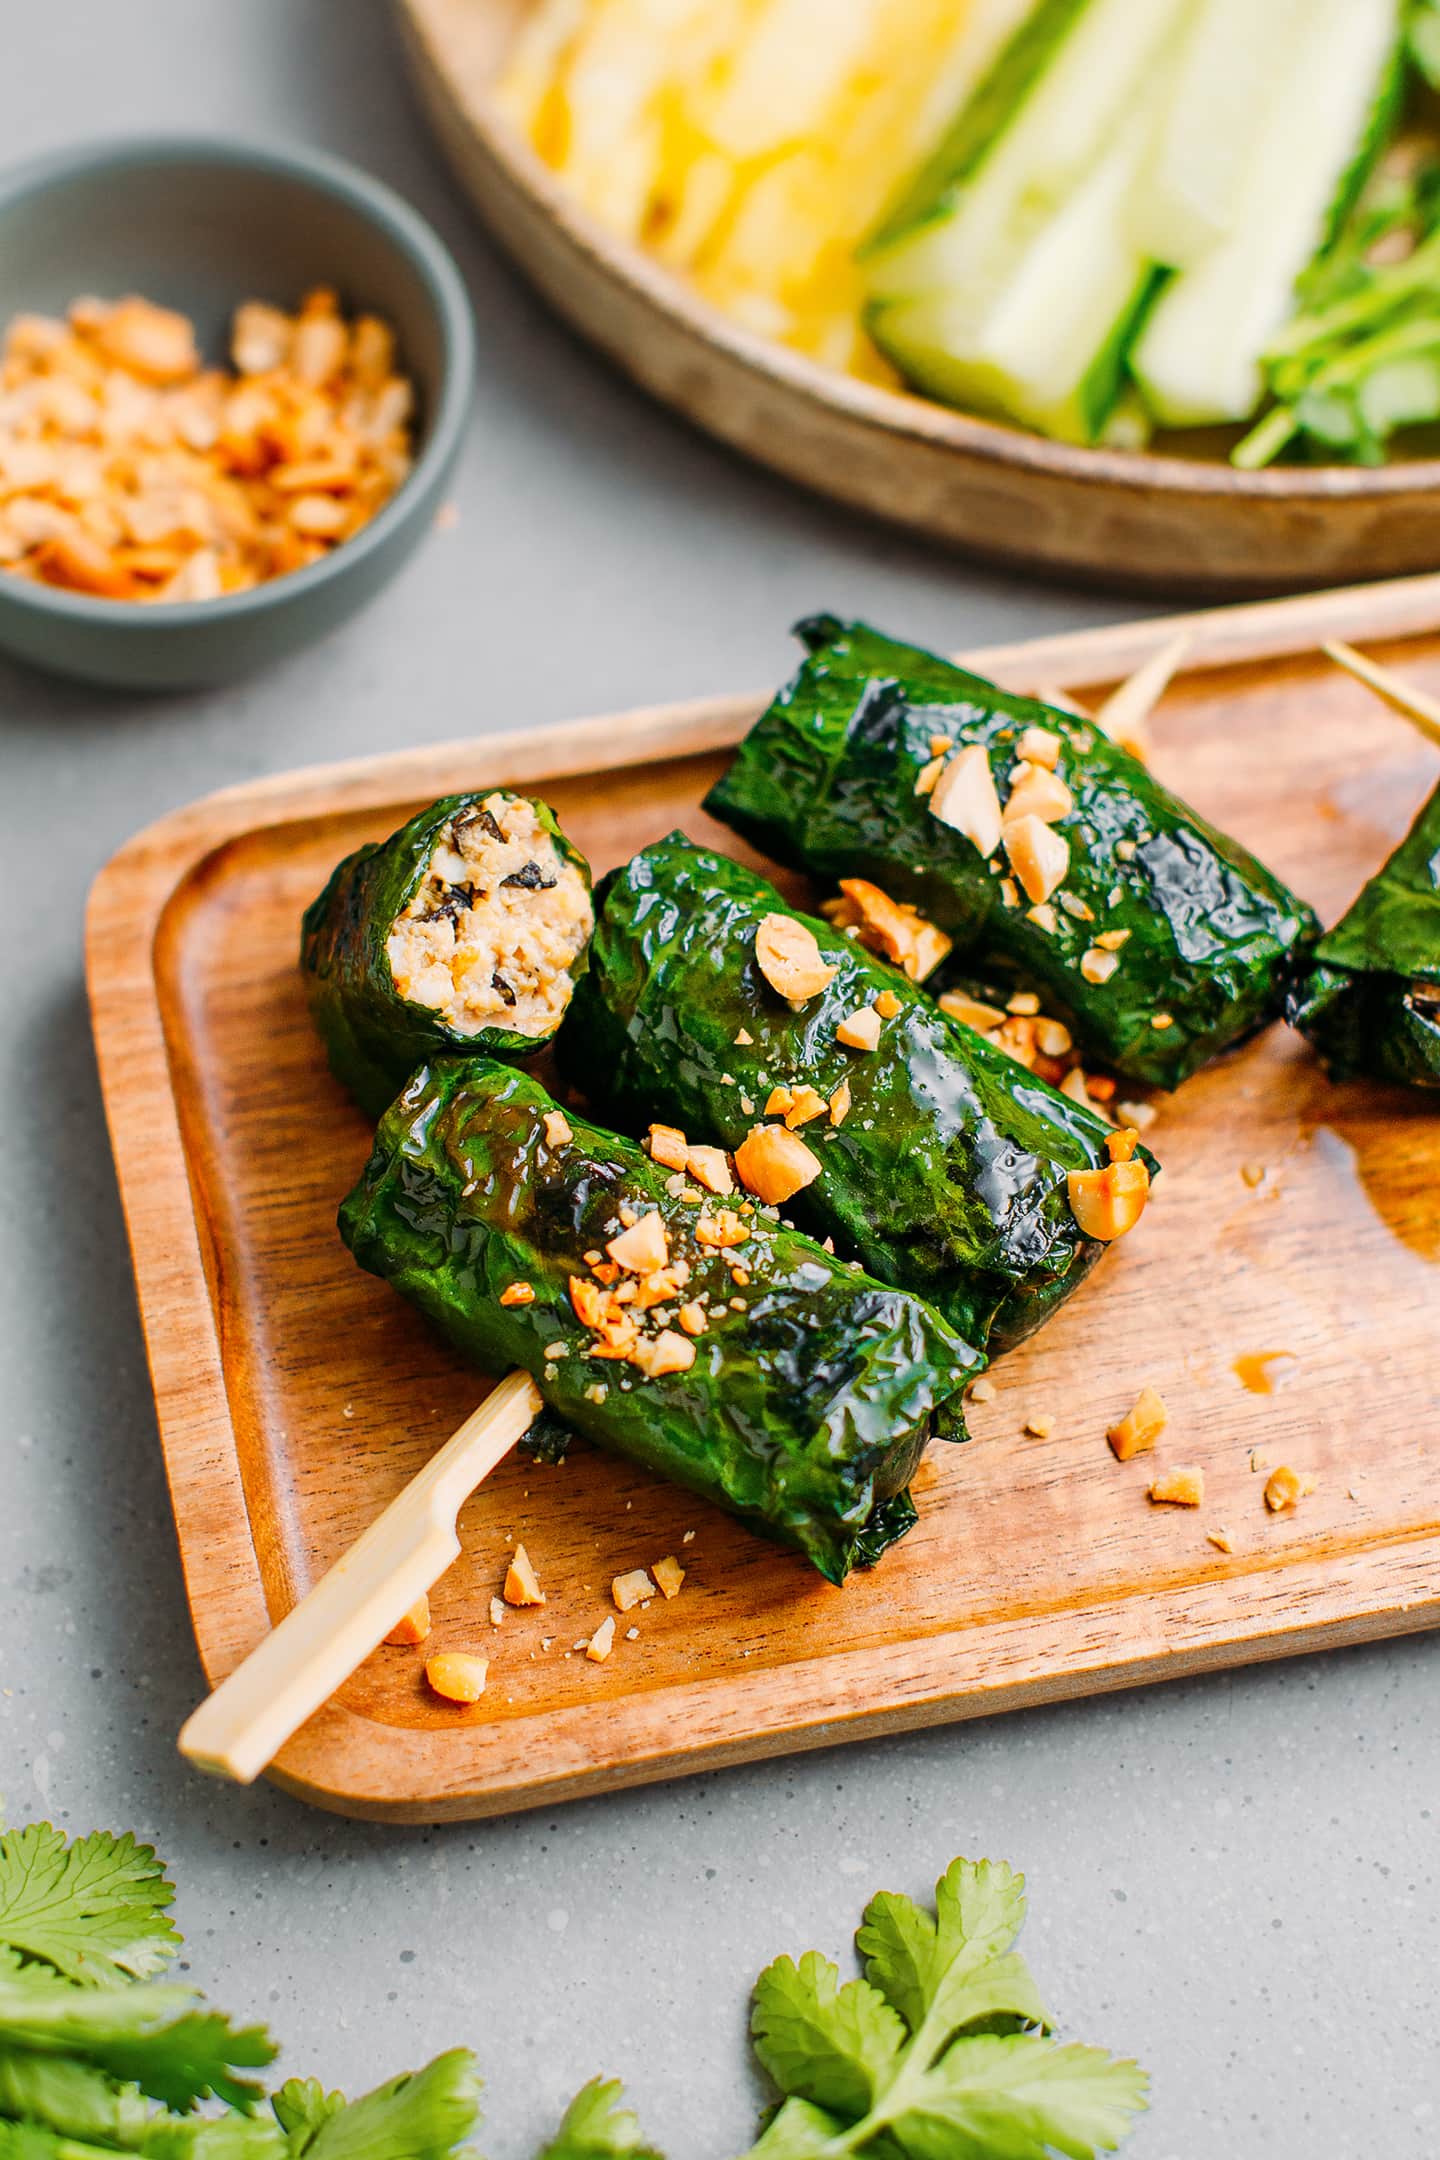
(1175, 524)
(296, 1394)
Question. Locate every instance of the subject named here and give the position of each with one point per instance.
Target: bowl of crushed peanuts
(233, 383)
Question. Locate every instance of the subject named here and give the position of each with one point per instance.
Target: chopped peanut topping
(668, 1575)
(1181, 1486)
(840, 1103)
(1039, 746)
(1024, 1002)
(1285, 1486)
(1074, 1085)
(779, 1101)
(724, 1227)
(710, 1167)
(982, 1390)
(1108, 1203)
(939, 744)
(809, 1103)
(632, 1589)
(775, 1164)
(1253, 1173)
(457, 1676)
(522, 1585)
(887, 1005)
(1039, 857)
(1140, 1427)
(1053, 1039)
(692, 1318)
(497, 1611)
(860, 1030)
(1040, 1426)
(1120, 1146)
(557, 1129)
(1010, 896)
(1044, 917)
(1219, 1537)
(970, 1012)
(642, 1248)
(789, 958)
(964, 798)
(927, 776)
(1112, 940)
(667, 1352)
(518, 1293)
(744, 1036)
(602, 1642)
(667, 1145)
(1038, 792)
(1139, 1115)
(1096, 966)
(900, 933)
(1162, 1021)
(412, 1626)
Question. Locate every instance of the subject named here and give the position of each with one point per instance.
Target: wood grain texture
(296, 1395)
(1173, 524)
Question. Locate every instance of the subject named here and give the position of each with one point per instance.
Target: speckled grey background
(1234, 1879)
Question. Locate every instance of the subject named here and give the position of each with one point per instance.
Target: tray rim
(335, 1762)
(748, 390)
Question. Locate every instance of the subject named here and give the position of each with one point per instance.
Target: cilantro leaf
(95, 1910)
(946, 1972)
(1017, 2098)
(423, 2115)
(596, 2127)
(797, 2131)
(151, 2034)
(836, 2046)
(70, 2097)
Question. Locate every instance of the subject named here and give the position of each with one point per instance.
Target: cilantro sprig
(943, 2050)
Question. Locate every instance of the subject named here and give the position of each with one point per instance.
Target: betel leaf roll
(697, 1338)
(1046, 853)
(463, 932)
(848, 1096)
(1371, 1002)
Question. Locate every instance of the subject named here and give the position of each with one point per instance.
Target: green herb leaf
(71, 2097)
(151, 2034)
(1017, 2098)
(423, 2115)
(797, 2131)
(836, 2046)
(95, 1910)
(597, 2127)
(951, 1970)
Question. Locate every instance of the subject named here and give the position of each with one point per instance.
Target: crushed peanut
(789, 958)
(710, 1167)
(1039, 857)
(927, 776)
(643, 1247)
(899, 933)
(667, 1145)
(602, 1642)
(1140, 1115)
(628, 1590)
(1053, 1039)
(775, 1164)
(1112, 940)
(1162, 1021)
(982, 1390)
(1181, 1486)
(969, 1011)
(964, 798)
(522, 1584)
(1284, 1487)
(557, 1129)
(1010, 895)
(744, 1037)
(413, 1625)
(840, 1103)
(809, 1103)
(1219, 1537)
(724, 1228)
(668, 1575)
(1039, 746)
(1036, 791)
(779, 1101)
(1140, 1427)
(692, 1317)
(497, 1611)
(939, 744)
(1097, 966)
(133, 472)
(1044, 917)
(666, 1352)
(860, 1030)
(887, 1005)
(518, 1293)
(1108, 1203)
(1041, 1426)
(1253, 1173)
(457, 1676)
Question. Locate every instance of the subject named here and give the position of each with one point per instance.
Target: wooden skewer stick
(1124, 713)
(321, 1640)
(1421, 710)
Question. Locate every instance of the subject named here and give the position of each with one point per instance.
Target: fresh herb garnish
(943, 2051)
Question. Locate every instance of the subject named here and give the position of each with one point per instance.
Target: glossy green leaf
(826, 781)
(598, 2126)
(805, 1410)
(373, 1036)
(948, 1173)
(836, 2046)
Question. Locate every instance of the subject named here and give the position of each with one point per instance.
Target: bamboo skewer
(1416, 706)
(318, 1644)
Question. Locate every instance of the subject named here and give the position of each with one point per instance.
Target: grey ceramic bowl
(200, 226)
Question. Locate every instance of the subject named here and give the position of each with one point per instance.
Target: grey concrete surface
(1233, 1879)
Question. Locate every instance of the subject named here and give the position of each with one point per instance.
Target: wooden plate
(296, 1394)
(1173, 524)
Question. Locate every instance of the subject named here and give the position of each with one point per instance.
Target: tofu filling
(495, 925)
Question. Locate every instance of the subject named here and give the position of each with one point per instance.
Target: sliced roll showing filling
(464, 932)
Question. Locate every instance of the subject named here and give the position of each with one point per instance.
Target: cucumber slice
(1233, 62)
(1198, 359)
(1049, 348)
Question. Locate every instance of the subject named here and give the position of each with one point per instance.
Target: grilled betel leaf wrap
(947, 1172)
(827, 780)
(1371, 1002)
(761, 1373)
(463, 932)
